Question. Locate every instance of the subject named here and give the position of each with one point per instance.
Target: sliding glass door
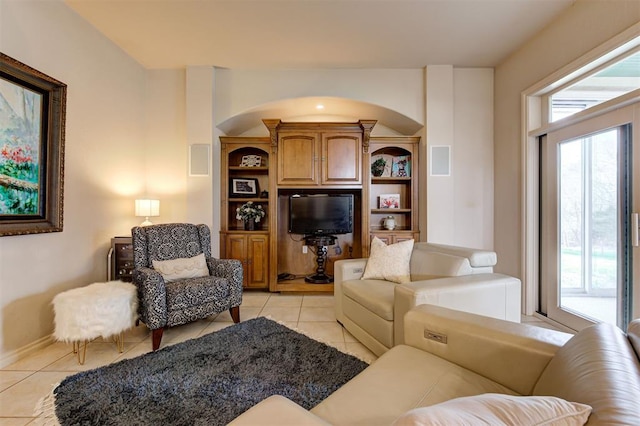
(586, 221)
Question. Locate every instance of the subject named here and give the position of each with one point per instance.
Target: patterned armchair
(171, 290)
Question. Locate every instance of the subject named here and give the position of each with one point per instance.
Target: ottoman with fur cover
(97, 310)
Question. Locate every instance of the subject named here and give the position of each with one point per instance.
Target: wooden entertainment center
(313, 158)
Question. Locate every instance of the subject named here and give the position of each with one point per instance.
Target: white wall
(585, 25)
(199, 116)
(460, 116)
(440, 118)
(165, 152)
(473, 158)
(104, 164)
(401, 90)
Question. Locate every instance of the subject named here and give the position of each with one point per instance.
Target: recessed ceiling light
(319, 106)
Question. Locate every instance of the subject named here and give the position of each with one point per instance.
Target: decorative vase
(249, 225)
(389, 223)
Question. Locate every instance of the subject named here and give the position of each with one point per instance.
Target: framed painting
(243, 187)
(389, 201)
(401, 166)
(32, 128)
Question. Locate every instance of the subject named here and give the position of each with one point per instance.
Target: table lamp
(146, 209)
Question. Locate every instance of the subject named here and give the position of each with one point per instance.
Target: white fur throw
(99, 309)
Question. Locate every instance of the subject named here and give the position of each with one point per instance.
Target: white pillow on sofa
(389, 262)
(179, 269)
(498, 409)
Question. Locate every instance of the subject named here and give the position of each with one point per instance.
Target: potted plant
(377, 167)
(250, 214)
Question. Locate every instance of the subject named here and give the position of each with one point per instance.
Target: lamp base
(146, 222)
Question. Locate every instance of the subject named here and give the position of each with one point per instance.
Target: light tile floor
(23, 383)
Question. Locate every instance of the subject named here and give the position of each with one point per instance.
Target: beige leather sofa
(426, 380)
(454, 277)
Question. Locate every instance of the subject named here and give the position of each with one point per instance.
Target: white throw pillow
(497, 409)
(389, 262)
(179, 269)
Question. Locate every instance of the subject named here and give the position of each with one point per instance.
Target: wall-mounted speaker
(199, 160)
(440, 160)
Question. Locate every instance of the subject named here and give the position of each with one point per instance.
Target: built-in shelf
(390, 149)
(314, 158)
(249, 169)
(250, 247)
(390, 179)
(390, 211)
(246, 200)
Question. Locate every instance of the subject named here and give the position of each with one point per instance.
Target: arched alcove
(389, 122)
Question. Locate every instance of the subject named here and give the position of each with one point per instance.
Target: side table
(120, 259)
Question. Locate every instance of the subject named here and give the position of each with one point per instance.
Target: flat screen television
(321, 214)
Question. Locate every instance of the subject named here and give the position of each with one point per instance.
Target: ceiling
(312, 34)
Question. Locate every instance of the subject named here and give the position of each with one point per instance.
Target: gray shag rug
(207, 381)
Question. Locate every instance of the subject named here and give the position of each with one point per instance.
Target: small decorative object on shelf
(243, 187)
(389, 223)
(401, 166)
(389, 201)
(250, 214)
(377, 167)
(381, 165)
(251, 161)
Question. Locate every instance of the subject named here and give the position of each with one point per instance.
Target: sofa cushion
(374, 295)
(195, 292)
(497, 409)
(597, 367)
(389, 262)
(426, 265)
(403, 378)
(368, 322)
(277, 407)
(477, 258)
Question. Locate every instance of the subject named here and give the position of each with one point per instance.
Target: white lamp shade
(147, 208)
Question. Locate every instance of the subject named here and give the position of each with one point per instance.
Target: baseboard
(23, 352)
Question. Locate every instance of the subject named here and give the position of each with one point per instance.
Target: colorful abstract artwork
(20, 136)
(32, 130)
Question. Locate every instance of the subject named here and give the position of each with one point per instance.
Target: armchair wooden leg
(156, 338)
(235, 314)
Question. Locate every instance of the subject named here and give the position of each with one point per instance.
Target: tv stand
(321, 242)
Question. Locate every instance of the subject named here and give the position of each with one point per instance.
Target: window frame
(589, 71)
(535, 119)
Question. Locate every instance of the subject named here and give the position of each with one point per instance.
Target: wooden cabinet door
(385, 238)
(298, 159)
(341, 159)
(395, 237)
(236, 248)
(404, 237)
(253, 251)
(258, 261)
